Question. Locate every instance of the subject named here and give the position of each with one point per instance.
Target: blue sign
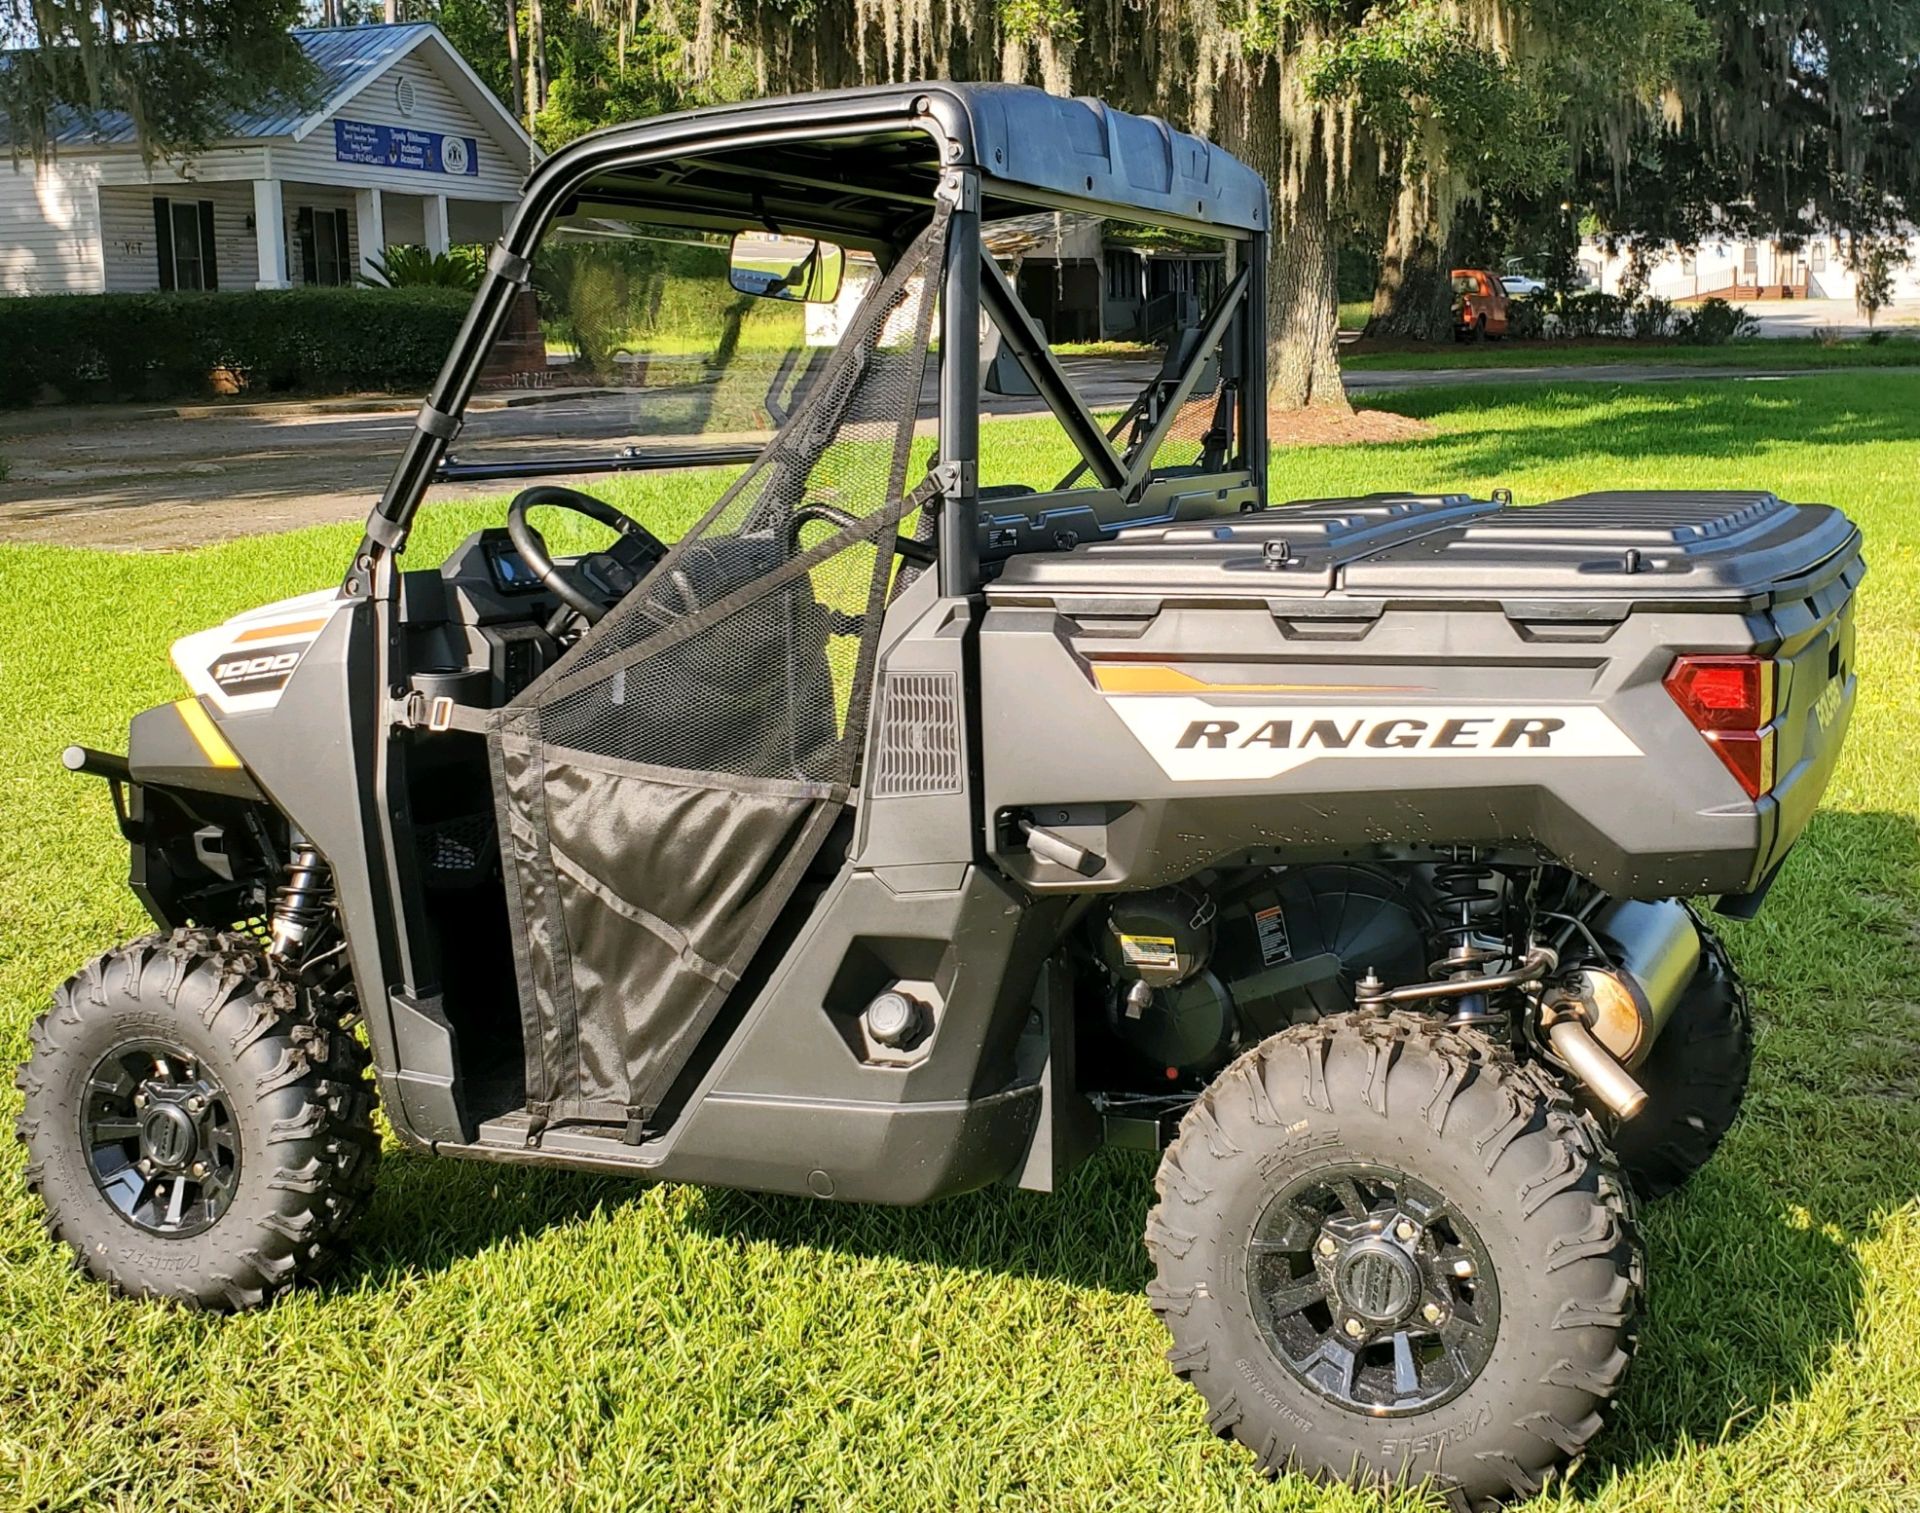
(403, 147)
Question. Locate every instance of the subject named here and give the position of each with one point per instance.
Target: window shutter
(209, 258)
(163, 239)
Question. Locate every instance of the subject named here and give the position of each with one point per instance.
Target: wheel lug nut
(199, 1168)
(1327, 1247)
(139, 1100)
(196, 1103)
(1431, 1313)
(1463, 1268)
(1403, 1230)
(1355, 1328)
(144, 1167)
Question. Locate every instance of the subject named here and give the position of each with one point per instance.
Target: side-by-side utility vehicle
(958, 793)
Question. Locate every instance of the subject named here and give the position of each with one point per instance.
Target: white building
(1748, 270)
(406, 146)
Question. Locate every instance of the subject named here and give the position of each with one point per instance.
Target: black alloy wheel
(161, 1139)
(1372, 1291)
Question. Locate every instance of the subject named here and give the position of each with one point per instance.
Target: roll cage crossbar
(869, 165)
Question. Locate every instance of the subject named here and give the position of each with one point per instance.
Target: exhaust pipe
(1594, 1065)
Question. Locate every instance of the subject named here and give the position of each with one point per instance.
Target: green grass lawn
(1785, 352)
(528, 1339)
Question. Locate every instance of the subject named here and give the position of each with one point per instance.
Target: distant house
(406, 145)
(1740, 269)
(1088, 279)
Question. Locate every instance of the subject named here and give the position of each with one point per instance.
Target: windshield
(635, 336)
(642, 344)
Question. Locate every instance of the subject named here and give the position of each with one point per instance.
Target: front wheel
(196, 1129)
(1388, 1252)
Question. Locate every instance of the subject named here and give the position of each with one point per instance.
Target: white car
(1521, 285)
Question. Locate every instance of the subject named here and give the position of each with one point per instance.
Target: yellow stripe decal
(1150, 677)
(213, 746)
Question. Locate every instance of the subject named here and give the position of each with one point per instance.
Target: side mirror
(798, 268)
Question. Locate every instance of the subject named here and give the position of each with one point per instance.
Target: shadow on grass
(1755, 1278)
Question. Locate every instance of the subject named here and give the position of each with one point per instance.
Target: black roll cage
(703, 140)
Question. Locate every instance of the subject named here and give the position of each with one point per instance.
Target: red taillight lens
(1723, 693)
(1729, 700)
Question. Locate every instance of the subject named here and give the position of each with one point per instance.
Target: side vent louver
(919, 750)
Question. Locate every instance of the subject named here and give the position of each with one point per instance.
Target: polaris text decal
(1197, 741)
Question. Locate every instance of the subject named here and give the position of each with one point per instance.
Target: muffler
(1656, 952)
(1601, 1021)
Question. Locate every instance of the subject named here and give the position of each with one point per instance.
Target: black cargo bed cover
(1611, 551)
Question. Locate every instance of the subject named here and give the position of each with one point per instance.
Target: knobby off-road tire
(1695, 1077)
(267, 1097)
(1496, 1169)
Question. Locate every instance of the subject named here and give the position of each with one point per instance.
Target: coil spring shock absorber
(301, 905)
(1466, 899)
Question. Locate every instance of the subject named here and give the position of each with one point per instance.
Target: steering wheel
(532, 546)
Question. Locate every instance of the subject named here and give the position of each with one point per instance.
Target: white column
(270, 234)
(434, 207)
(370, 226)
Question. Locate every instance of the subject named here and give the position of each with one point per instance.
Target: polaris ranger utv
(909, 826)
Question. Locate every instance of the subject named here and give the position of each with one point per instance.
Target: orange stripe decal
(275, 632)
(1148, 677)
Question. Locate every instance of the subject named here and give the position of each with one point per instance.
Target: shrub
(408, 266)
(168, 346)
(1651, 318)
(1874, 263)
(1582, 317)
(1714, 323)
(1526, 319)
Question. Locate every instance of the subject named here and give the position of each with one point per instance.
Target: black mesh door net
(664, 786)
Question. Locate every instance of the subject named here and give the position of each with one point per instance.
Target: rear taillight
(1729, 699)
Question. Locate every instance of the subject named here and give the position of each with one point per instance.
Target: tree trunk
(513, 59)
(536, 60)
(1413, 298)
(1303, 276)
(1303, 317)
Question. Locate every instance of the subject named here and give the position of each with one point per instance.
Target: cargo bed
(1422, 612)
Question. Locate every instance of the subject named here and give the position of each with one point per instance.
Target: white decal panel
(244, 664)
(1202, 740)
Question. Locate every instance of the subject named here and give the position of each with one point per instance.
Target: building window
(1689, 265)
(1817, 257)
(326, 255)
(183, 235)
(1123, 276)
(1750, 260)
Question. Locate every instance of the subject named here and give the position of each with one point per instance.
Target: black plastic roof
(1083, 148)
(1078, 153)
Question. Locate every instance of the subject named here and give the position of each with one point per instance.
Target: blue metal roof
(343, 56)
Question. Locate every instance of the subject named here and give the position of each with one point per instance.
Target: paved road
(128, 478)
(124, 476)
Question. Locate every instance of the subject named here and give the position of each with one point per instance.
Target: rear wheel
(1388, 1252)
(1695, 1076)
(196, 1129)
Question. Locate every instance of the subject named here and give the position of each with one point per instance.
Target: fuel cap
(894, 1019)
